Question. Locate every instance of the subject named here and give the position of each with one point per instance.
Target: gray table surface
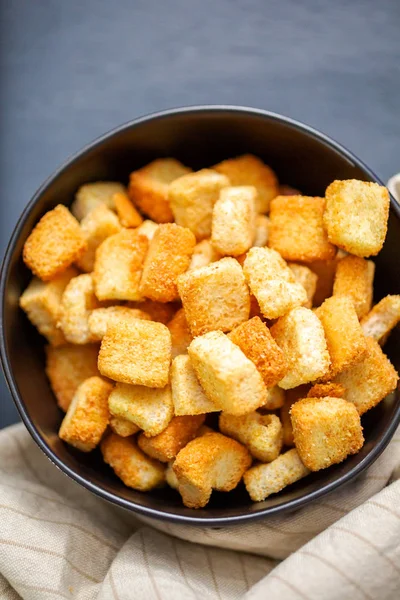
(73, 70)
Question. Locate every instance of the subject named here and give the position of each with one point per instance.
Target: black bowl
(199, 136)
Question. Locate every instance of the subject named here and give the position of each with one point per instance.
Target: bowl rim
(114, 498)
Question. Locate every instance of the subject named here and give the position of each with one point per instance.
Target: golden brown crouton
(53, 244)
(325, 431)
(123, 427)
(136, 352)
(204, 254)
(354, 277)
(187, 393)
(325, 271)
(291, 396)
(148, 229)
(211, 461)
(356, 216)
(180, 333)
(96, 226)
(233, 220)
(134, 468)
(250, 170)
(87, 415)
(272, 282)
(162, 312)
(308, 280)
(384, 316)
(261, 231)
(323, 390)
(91, 195)
(127, 214)
(301, 337)
(261, 434)
(77, 303)
(227, 376)
(41, 302)
(118, 266)
(168, 257)
(100, 319)
(215, 297)
(166, 445)
(263, 480)
(192, 199)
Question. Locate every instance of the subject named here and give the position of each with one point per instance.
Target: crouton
(356, 216)
(211, 461)
(275, 399)
(123, 427)
(233, 220)
(204, 253)
(354, 277)
(272, 282)
(384, 316)
(229, 379)
(187, 393)
(41, 302)
(136, 352)
(91, 195)
(100, 319)
(53, 244)
(148, 229)
(166, 445)
(325, 431)
(170, 476)
(308, 280)
(261, 231)
(250, 170)
(301, 336)
(325, 271)
(261, 434)
(87, 415)
(127, 214)
(263, 480)
(135, 469)
(291, 396)
(215, 297)
(180, 334)
(168, 257)
(192, 198)
(323, 390)
(150, 409)
(96, 226)
(162, 312)
(256, 342)
(118, 266)
(77, 303)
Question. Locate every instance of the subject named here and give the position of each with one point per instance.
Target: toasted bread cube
(384, 316)
(180, 333)
(41, 301)
(308, 280)
(325, 271)
(166, 445)
(77, 303)
(101, 318)
(272, 282)
(118, 266)
(323, 390)
(211, 461)
(261, 434)
(229, 379)
(301, 336)
(250, 170)
(54, 244)
(275, 399)
(234, 220)
(263, 480)
(135, 469)
(325, 431)
(215, 297)
(356, 216)
(148, 229)
(354, 277)
(261, 231)
(87, 415)
(162, 312)
(168, 257)
(291, 396)
(370, 380)
(127, 214)
(187, 393)
(123, 427)
(96, 226)
(204, 253)
(150, 409)
(91, 195)
(136, 352)
(170, 476)
(192, 199)
(256, 342)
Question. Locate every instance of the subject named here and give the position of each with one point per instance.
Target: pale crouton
(127, 214)
(187, 393)
(135, 469)
(354, 277)
(148, 229)
(263, 480)
(180, 333)
(123, 427)
(227, 376)
(211, 461)
(192, 198)
(356, 216)
(87, 415)
(325, 431)
(96, 226)
(275, 399)
(166, 445)
(77, 303)
(301, 336)
(100, 319)
(233, 220)
(170, 476)
(384, 316)
(272, 282)
(136, 352)
(162, 312)
(325, 271)
(53, 244)
(323, 390)
(261, 434)
(91, 195)
(204, 253)
(261, 231)
(168, 257)
(215, 297)
(308, 280)
(291, 396)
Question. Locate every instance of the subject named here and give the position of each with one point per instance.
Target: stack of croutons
(238, 297)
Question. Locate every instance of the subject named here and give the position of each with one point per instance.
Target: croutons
(96, 226)
(354, 277)
(384, 316)
(325, 271)
(323, 390)
(227, 376)
(276, 399)
(308, 280)
(261, 434)
(136, 352)
(356, 216)
(211, 461)
(91, 195)
(325, 431)
(291, 396)
(100, 319)
(41, 301)
(301, 337)
(170, 476)
(123, 427)
(78, 300)
(127, 214)
(54, 244)
(150, 409)
(263, 480)
(233, 220)
(187, 393)
(148, 229)
(215, 297)
(118, 266)
(192, 198)
(87, 415)
(272, 282)
(166, 445)
(261, 231)
(297, 231)
(168, 257)
(158, 311)
(204, 253)
(180, 334)
(134, 468)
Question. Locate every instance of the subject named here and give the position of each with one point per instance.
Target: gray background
(72, 70)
